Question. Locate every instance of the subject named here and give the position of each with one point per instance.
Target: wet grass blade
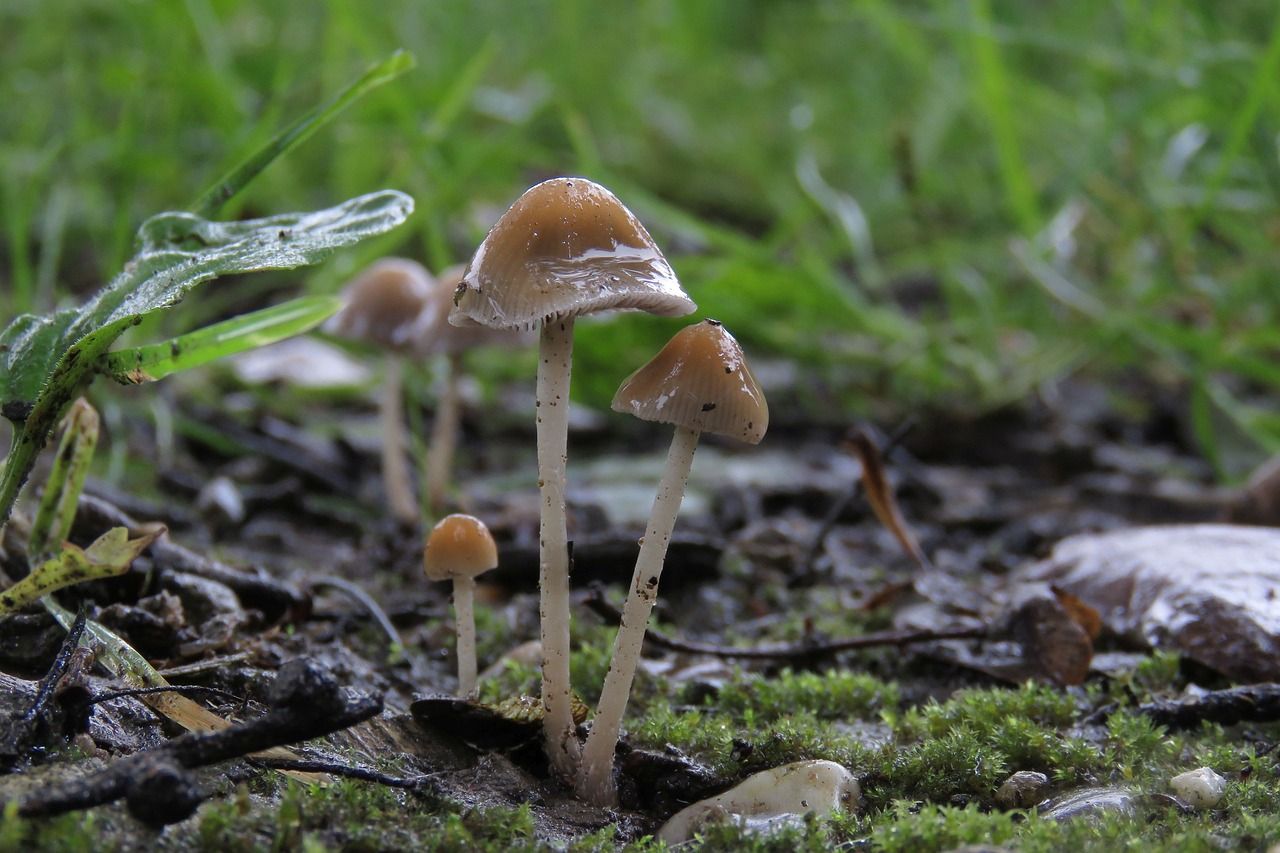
(239, 334)
(57, 509)
(211, 201)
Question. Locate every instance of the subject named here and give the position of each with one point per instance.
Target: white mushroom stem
(464, 593)
(555, 360)
(395, 471)
(596, 782)
(444, 435)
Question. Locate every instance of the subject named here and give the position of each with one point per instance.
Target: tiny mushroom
(700, 382)
(384, 306)
(444, 338)
(566, 247)
(459, 548)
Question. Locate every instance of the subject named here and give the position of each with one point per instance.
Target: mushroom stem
(596, 782)
(464, 589)
(555, 360)
(395, 472)
(444, 434)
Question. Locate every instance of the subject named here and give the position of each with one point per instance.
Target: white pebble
(1200, 789)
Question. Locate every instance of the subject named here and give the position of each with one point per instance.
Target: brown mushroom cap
(699, 380)
(459, 546)
(385, 305)
(566, 247)
(444, 338)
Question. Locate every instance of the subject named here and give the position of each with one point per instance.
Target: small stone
(771, 799)
(1200, 789)
(1022, 790)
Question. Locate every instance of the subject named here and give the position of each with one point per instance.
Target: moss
(834, 694)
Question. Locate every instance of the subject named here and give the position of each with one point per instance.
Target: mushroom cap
(443, 338)
(385, 305)
(699, 380)
(459, 546)
(566, 247)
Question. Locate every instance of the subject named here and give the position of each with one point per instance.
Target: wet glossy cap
(386, 305)
(700, 380)
(566, 247)
(459, 546)
(442, 337)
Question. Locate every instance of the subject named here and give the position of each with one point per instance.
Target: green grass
(797, 159)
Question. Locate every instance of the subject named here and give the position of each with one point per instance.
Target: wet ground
(278, 534)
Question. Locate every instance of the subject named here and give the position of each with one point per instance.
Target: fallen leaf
(1210, 592)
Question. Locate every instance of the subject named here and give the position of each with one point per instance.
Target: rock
(770, 799)
(1200, 789)
(1207, 591)
(1022, 790)
(1090, 802)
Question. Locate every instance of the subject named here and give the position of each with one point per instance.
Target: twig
(427, 782)
(595, 600)
(180, 689)
(841, 506)
(1257, 703)
(204, 665)
(357, 594)
(255, 588)
(59, 668)
(306, 703)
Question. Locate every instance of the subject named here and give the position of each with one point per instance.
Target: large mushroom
(566, 247)
(384, 306)
(459, 548)
(700, 382)
(440, 337)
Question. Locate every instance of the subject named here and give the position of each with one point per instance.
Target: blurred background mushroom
(442, 338)
(388, 306)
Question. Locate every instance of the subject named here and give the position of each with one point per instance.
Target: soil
(264, 527)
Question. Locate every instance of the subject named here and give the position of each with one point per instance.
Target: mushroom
(700, 382)
(566, 247)
(459, 548)
(444, 338)
(384, 307)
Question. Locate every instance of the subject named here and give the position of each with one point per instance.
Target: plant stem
(555, 361)
(444, 435)
(464, 590)
(395, 473)
(596, 782)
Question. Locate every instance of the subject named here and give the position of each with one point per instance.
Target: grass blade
(246, 332)
(211, 201)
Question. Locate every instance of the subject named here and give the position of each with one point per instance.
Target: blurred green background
(926, 203)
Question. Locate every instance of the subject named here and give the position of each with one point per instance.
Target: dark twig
(800, 651)
(427, 782)
(841, 506)
(357, 594)
(254, 587)
(1256, 703)
(306, 703)
(180, 689)
(59, 668)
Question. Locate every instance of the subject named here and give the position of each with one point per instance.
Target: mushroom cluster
(568, 247)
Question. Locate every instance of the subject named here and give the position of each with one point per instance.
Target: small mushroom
(700, 382)
(453, 342)
(566, 247)
(458, 549)
(384, 307)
